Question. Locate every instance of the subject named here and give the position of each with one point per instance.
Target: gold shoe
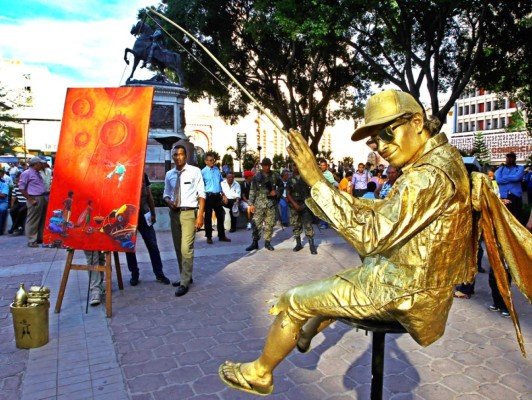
(242, 384)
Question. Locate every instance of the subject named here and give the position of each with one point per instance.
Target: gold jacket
(416, 244)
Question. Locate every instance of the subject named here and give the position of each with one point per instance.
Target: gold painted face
(401, 142)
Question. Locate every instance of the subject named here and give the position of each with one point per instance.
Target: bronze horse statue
(161, 57)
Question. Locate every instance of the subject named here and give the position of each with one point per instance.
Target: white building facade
(486, 112)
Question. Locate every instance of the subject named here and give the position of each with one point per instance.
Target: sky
(71, 43)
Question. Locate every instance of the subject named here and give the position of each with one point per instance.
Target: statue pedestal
(167, 125)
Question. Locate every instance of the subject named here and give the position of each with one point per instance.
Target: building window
(472, 108)
(466, 110)
(460, 127)
(481, 108)
(472, 125)
(495, 123)
(488, 106)
(503, 122)
(466, 127)
(460, 110)
(488, 124)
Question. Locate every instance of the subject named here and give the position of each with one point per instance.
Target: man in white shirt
(231, 195)
(184, 193)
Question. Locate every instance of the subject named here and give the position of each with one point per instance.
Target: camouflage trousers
(301, 220)
(263, 215)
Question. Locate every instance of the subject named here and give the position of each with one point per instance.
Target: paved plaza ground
(158, 346)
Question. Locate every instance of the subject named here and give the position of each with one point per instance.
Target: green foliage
(480, 150)
(517, 123)
(326, 154)
(295, 67)
(278, 160)
(250, 159)
(347, 161)
(157, 189)
(214, 154)
(9, 134)
(228, 160)
(506, 65)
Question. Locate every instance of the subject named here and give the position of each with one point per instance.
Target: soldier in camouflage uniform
(263, 197)
(297, 191)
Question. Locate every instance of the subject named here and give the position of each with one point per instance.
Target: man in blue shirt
(509, 178)
(212, 178)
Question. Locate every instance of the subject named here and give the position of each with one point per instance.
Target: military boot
(312, 246)
(268, 245)
(299, 246)
(253, 246)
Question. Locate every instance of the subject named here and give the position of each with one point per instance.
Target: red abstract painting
(97, 178)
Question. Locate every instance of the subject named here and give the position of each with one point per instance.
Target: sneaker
(505, 314)
(493, 307)
(95, 298)
(249, 226)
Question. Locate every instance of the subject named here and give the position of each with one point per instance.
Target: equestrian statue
(150, 49)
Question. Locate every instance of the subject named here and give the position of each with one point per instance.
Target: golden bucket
(31, 325)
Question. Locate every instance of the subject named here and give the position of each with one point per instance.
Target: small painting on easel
(95, 193)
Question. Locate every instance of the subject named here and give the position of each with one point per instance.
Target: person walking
(184, 193)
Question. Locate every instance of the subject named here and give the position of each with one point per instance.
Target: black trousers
(213, 202)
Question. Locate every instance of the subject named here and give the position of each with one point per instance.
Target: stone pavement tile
(38, 394)
(72, 379)
(110, 372)
(174, 392)
(518, 382)
(399, 384)
(494, 391)
(108, 388)
(142, 396)
(79, 395)
(309, 391)
(460, 383)
(38, 377)
(116, 395)
(182, 375)
(435, 391)
(146, 383)
(207, 384)
(74, 387)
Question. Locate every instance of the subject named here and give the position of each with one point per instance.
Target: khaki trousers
(35, 219)
(182, 224)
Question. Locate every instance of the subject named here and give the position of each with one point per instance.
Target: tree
(295, 74)
(250, 158)
(480, 150)
(517, 122)
(228, 160)
(278, 161)
(438, 44)
(507, 67)
(8, 133)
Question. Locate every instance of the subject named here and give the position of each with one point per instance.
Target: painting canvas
(95, 193)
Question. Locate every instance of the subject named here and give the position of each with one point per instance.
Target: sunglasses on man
(387, 133)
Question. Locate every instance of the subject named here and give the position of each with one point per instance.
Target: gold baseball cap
(384, 107)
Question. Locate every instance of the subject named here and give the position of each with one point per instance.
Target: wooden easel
(107, 269)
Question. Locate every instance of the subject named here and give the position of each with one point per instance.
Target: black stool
(379, 329)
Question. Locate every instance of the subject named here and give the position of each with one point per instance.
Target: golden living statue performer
(416, 244)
